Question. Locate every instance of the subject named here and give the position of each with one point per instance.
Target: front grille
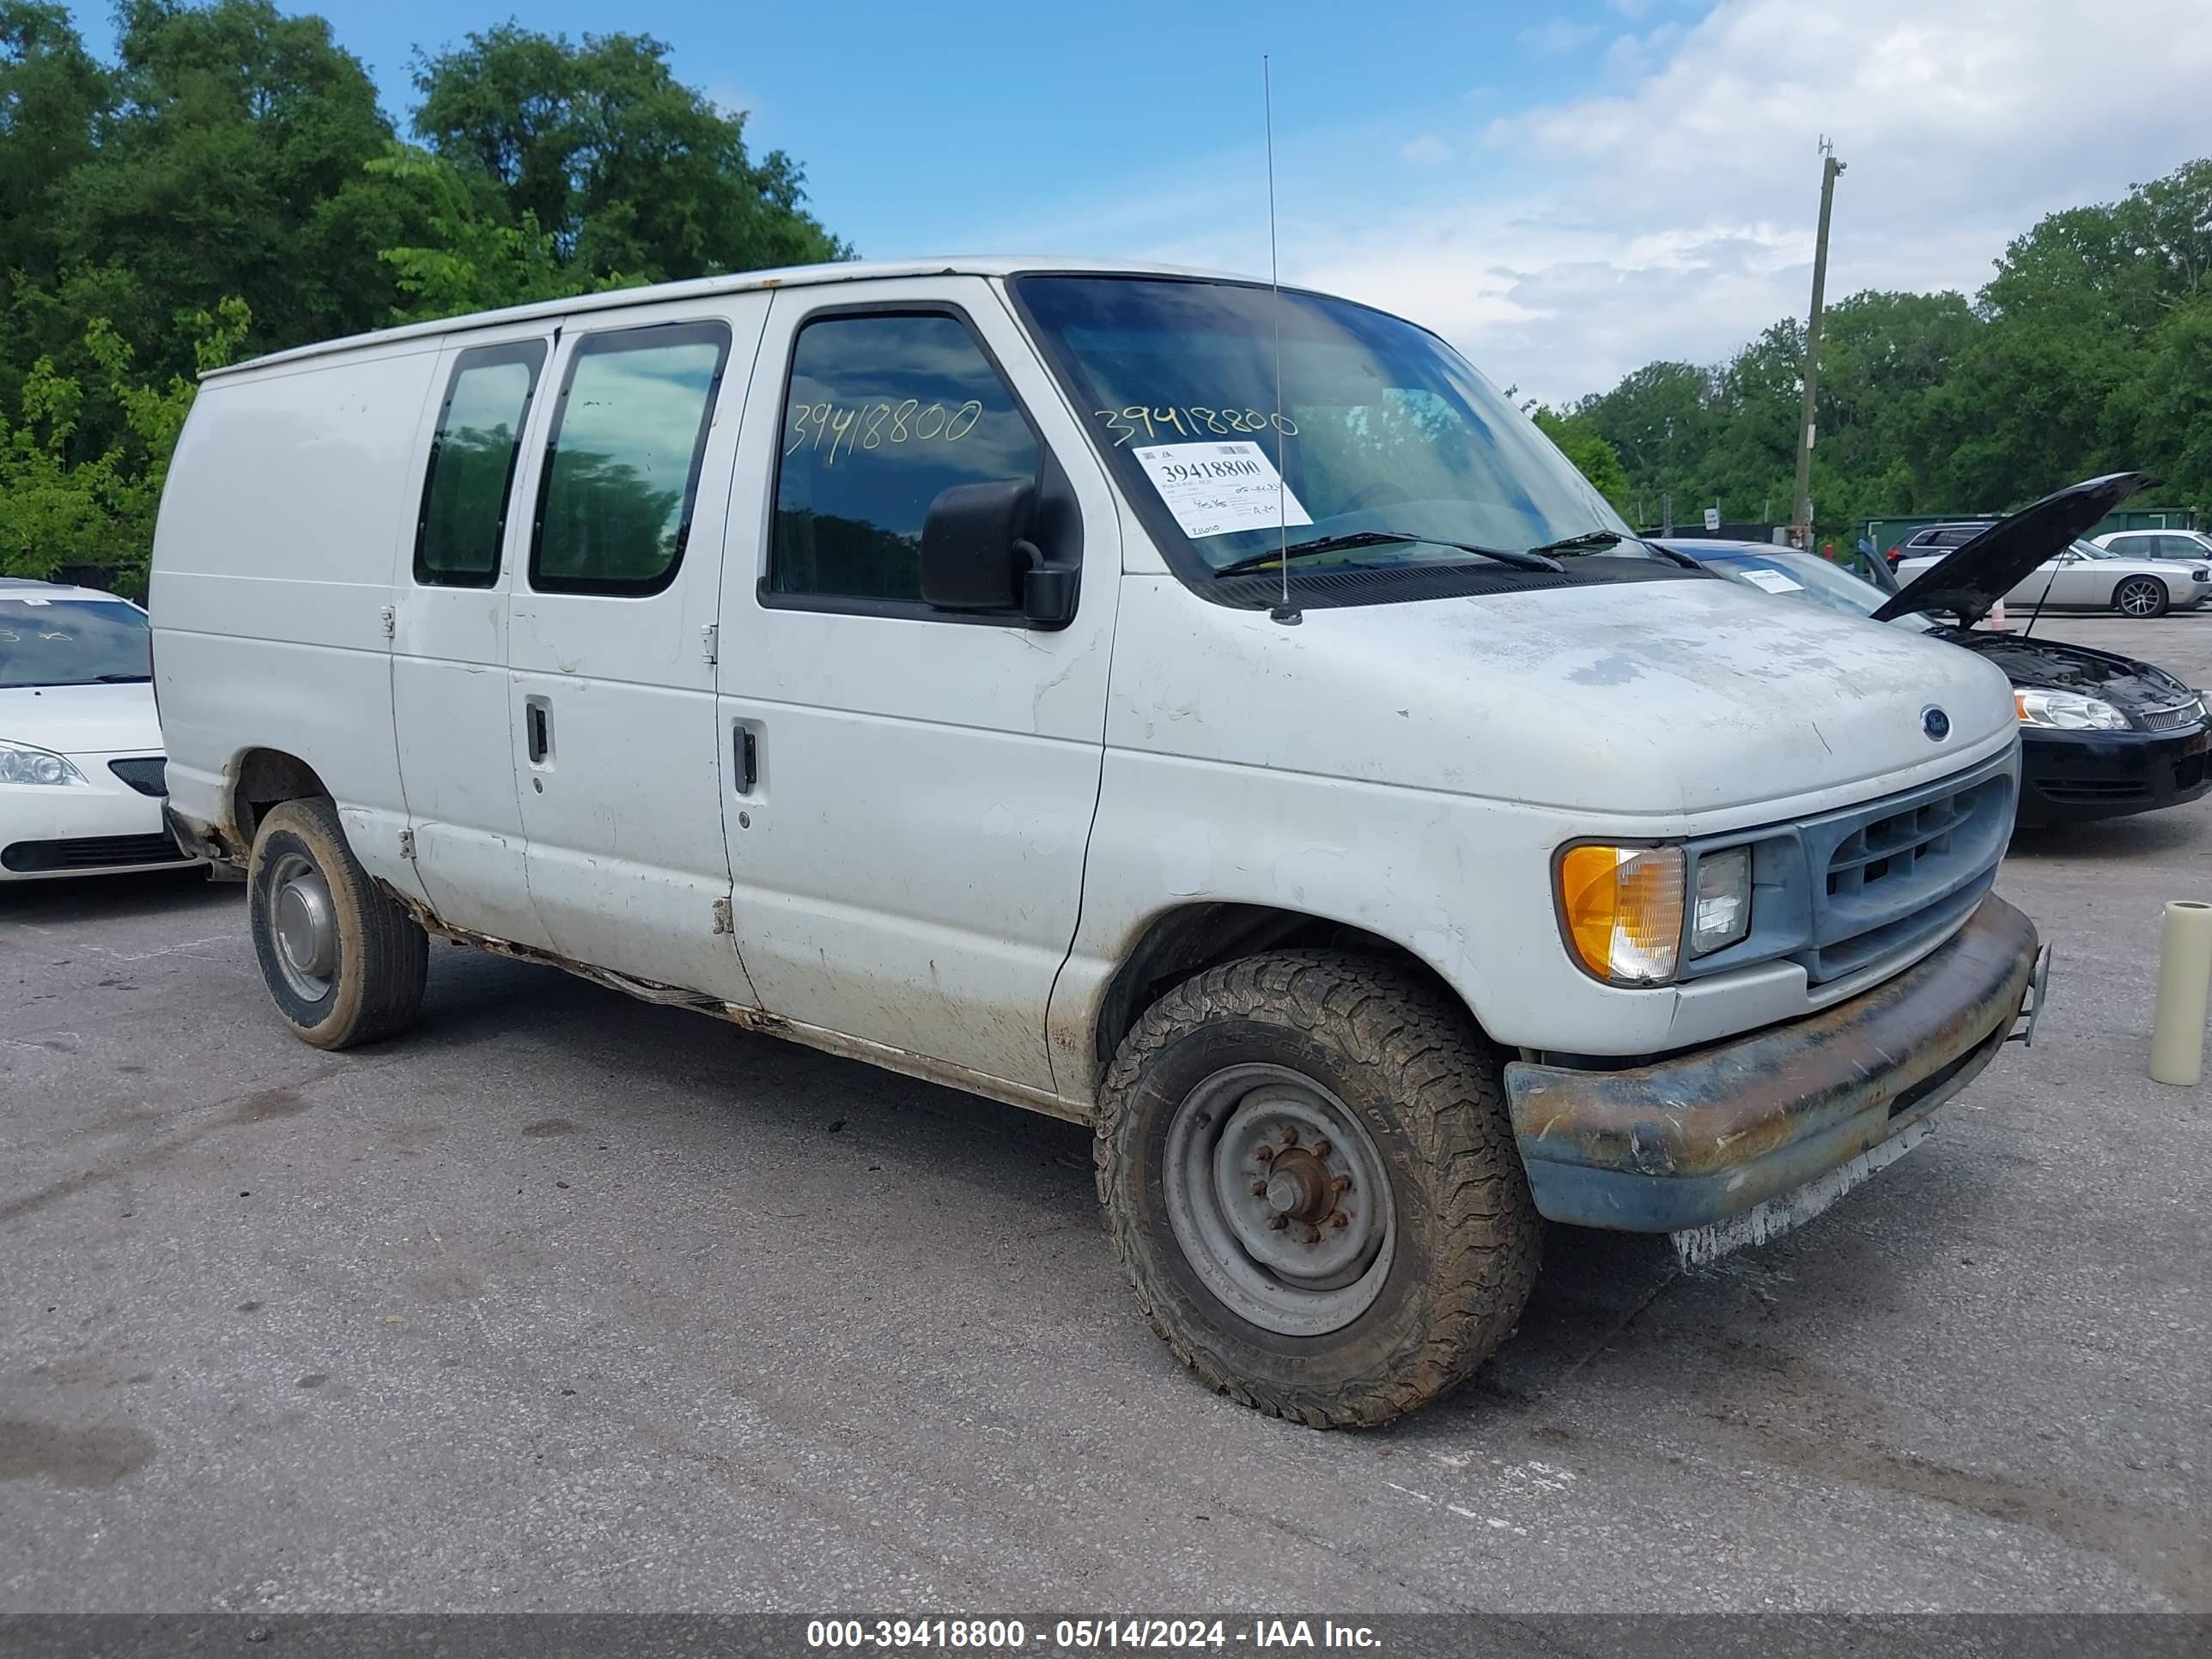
(148, 774)
(27, 858)
(1902, 870)
(2166, 719)
(2083, 790)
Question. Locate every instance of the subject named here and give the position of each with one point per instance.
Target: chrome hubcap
(1280, 1199)
(305, 926)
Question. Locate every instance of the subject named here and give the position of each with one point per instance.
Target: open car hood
(1971, 579)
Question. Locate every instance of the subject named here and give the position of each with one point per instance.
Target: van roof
(734, 283)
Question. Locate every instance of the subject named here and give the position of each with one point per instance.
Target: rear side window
(621, 471)
(464, 517)
(885, 411)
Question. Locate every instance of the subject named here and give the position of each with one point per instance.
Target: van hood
(1971, 579)
(82, 720)
(1660, 698)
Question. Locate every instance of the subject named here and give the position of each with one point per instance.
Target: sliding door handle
(537, 730)
(745, 757)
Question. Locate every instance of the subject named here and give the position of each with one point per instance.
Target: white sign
(1214, 489)
(1772, 581)
(1712, 518)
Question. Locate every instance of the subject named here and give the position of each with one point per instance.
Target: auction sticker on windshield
(1214, 489)
(1772, 581)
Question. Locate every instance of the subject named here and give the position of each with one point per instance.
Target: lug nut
(1276, 1223)
(1340, 1220)
(1289, 1136)
(1258, 1189)
(1322, 1148)
(1341, 1184)
(1267, 1153)
(1313, 1234)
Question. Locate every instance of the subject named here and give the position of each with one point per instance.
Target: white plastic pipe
(2184, 983)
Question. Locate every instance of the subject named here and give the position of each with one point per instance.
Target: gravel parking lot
(569, 1302)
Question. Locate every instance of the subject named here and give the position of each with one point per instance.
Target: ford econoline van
(1212, 715)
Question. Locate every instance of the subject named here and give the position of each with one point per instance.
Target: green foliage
(598, 148)
(98, 513)
(2089, 351)
(227, 185)
(1581, 442)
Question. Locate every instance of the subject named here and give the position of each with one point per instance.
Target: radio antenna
(1284, 612)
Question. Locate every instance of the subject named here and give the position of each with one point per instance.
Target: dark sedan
(2102, 735)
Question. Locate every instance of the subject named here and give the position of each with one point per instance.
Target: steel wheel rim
(2139, 597)
(1256, 1141)
(303, 927)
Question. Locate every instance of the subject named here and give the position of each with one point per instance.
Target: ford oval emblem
(1936, 723)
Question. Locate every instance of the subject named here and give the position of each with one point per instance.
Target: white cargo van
(1213, 717)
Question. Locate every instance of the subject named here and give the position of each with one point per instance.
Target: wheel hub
(1280, 1199)
(305, 924)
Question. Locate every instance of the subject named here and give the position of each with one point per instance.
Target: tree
(630, 174)
(228, 183)
(98, 513)
(1580, 442)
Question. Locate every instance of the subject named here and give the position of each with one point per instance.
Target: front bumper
(2073, 777)
(1690, 1141)
(100, 827)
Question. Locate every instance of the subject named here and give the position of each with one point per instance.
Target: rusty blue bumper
(1690, 1141)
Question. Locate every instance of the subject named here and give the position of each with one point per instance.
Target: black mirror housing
(976, 555)
(975, 549)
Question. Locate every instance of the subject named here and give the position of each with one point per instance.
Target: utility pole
(1801, 513)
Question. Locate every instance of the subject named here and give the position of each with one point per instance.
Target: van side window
(882, 413)
(614, 501)
(464, 516)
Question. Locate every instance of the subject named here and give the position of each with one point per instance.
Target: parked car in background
(2102, 735)
(2188, 544)
(1933, 541)
(81, 761)
(2082, 576)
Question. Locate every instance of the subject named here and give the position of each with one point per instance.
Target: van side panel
(272, 570)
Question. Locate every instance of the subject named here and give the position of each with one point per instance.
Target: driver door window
(885, 411)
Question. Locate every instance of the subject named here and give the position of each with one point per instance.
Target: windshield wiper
(121, 679)
(1534, 560)
(1591, 540)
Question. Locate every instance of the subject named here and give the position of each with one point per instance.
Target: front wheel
(1309, 1174)
(343, 963)
(2141, 596)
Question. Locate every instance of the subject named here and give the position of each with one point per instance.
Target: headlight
(21, 764)
(1722, 915)
(1622, 910)
(2066, 712)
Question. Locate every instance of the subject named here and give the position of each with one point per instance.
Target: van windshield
(72, 641)
(1386, 436)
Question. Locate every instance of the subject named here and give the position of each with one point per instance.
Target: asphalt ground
(568, 1302)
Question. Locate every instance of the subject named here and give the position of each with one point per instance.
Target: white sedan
(2086, 577)
(81, 759)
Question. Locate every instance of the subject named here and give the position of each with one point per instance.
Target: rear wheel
(1309, 1174)
(343, 963)
(2141, 596)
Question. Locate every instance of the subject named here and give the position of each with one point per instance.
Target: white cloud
(1427, 150)
(1670, 213)
(1556, 36)
(1630, 8)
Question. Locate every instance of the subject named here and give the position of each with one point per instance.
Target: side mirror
(976, 555)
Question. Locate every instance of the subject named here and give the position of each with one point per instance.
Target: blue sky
(1566, 191)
